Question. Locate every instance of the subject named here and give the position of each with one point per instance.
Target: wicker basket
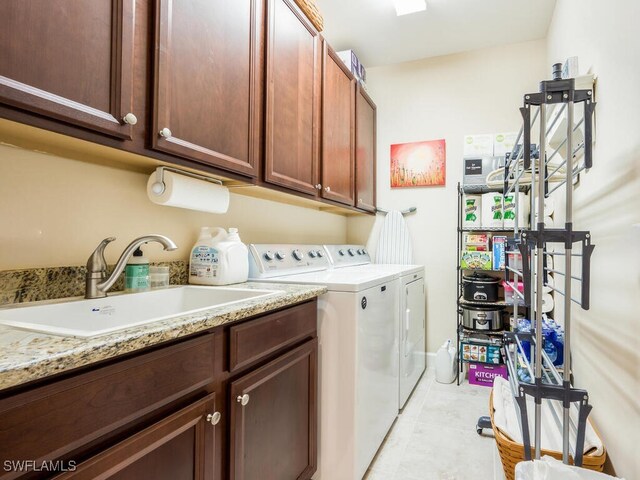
(512, 453)
(310, 9)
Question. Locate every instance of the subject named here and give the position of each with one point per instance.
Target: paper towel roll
(191, 193)
(492, 210)
(471, 211)
(547, 302)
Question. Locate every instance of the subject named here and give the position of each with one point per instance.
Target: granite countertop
(26, 356)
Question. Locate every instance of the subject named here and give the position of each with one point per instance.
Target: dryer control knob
(298, 255)
(268, 256)
(352, 252)
(320, 254)
(313, 254)
(280, 255)
(341, 252)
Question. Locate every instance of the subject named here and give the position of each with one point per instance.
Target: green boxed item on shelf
(471, 260)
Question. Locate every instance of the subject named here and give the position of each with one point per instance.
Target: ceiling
(379, 37)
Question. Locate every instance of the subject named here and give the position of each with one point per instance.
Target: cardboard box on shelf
(480, 374)
(351, 60)
(499, 248)
(503, 143)
(478, 144)
(471, 260)
(476, 242)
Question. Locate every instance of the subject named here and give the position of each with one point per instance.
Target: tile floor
(434, 437)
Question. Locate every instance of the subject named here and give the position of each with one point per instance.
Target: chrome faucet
(97, 283)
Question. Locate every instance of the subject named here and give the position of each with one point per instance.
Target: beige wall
(444, 97)
(54, 211)
(606, 362)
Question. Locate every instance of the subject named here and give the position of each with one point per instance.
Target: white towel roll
(190, 193)
(547, 302)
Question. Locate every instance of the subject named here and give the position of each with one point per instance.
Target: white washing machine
(411, 310)
(358, 352)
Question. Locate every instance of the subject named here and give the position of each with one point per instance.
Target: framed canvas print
(418, 164)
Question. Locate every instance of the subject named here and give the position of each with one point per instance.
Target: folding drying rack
(533, 244)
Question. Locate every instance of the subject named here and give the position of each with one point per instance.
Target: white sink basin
(89, 318)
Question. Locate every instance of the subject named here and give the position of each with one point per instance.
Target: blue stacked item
(552, 342)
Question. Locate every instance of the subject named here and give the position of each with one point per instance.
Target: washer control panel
(273, 260)
(347, 255)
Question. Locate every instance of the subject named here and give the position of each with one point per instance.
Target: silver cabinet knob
(165, 133)
(327, 189)
(318, 186)
(214, 418)
(130, 119)
(243, 399)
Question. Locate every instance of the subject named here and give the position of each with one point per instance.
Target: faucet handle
(96, 262)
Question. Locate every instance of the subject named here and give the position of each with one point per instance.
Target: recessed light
(405, 7)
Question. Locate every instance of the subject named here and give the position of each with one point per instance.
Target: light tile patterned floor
(434, 437)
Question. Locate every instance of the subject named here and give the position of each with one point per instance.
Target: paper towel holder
(158, 186)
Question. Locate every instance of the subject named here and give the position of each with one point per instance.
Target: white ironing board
(394, 244)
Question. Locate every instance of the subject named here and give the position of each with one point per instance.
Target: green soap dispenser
(136, 273)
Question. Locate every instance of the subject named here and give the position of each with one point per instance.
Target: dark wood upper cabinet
(292, 98)
(71, 61)
(180, 446)
(208, 81)
(273, 419)
(338, 129)
(365, 152)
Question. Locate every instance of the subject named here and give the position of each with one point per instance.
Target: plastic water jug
(446, 363)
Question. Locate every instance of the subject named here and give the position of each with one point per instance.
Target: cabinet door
(180, 447)
(274, 419)
(71, 61)
(208, 72)
(365, 152)
(293, 98)
(338, 132)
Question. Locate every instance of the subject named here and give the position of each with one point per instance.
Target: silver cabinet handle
(130, 119)
(165, 132)
(327, 189)
(243, 399)
(214, 418)
(318, 186)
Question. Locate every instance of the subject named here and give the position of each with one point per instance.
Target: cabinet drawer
(51, 421)
(257, 338)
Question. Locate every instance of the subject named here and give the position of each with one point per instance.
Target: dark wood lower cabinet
(172, 412)
(179, 447)
(273, 415)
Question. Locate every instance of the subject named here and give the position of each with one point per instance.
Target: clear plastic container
(159, 277)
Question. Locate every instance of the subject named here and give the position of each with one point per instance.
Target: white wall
(604, 35)
(444, 97)
(54, 211)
